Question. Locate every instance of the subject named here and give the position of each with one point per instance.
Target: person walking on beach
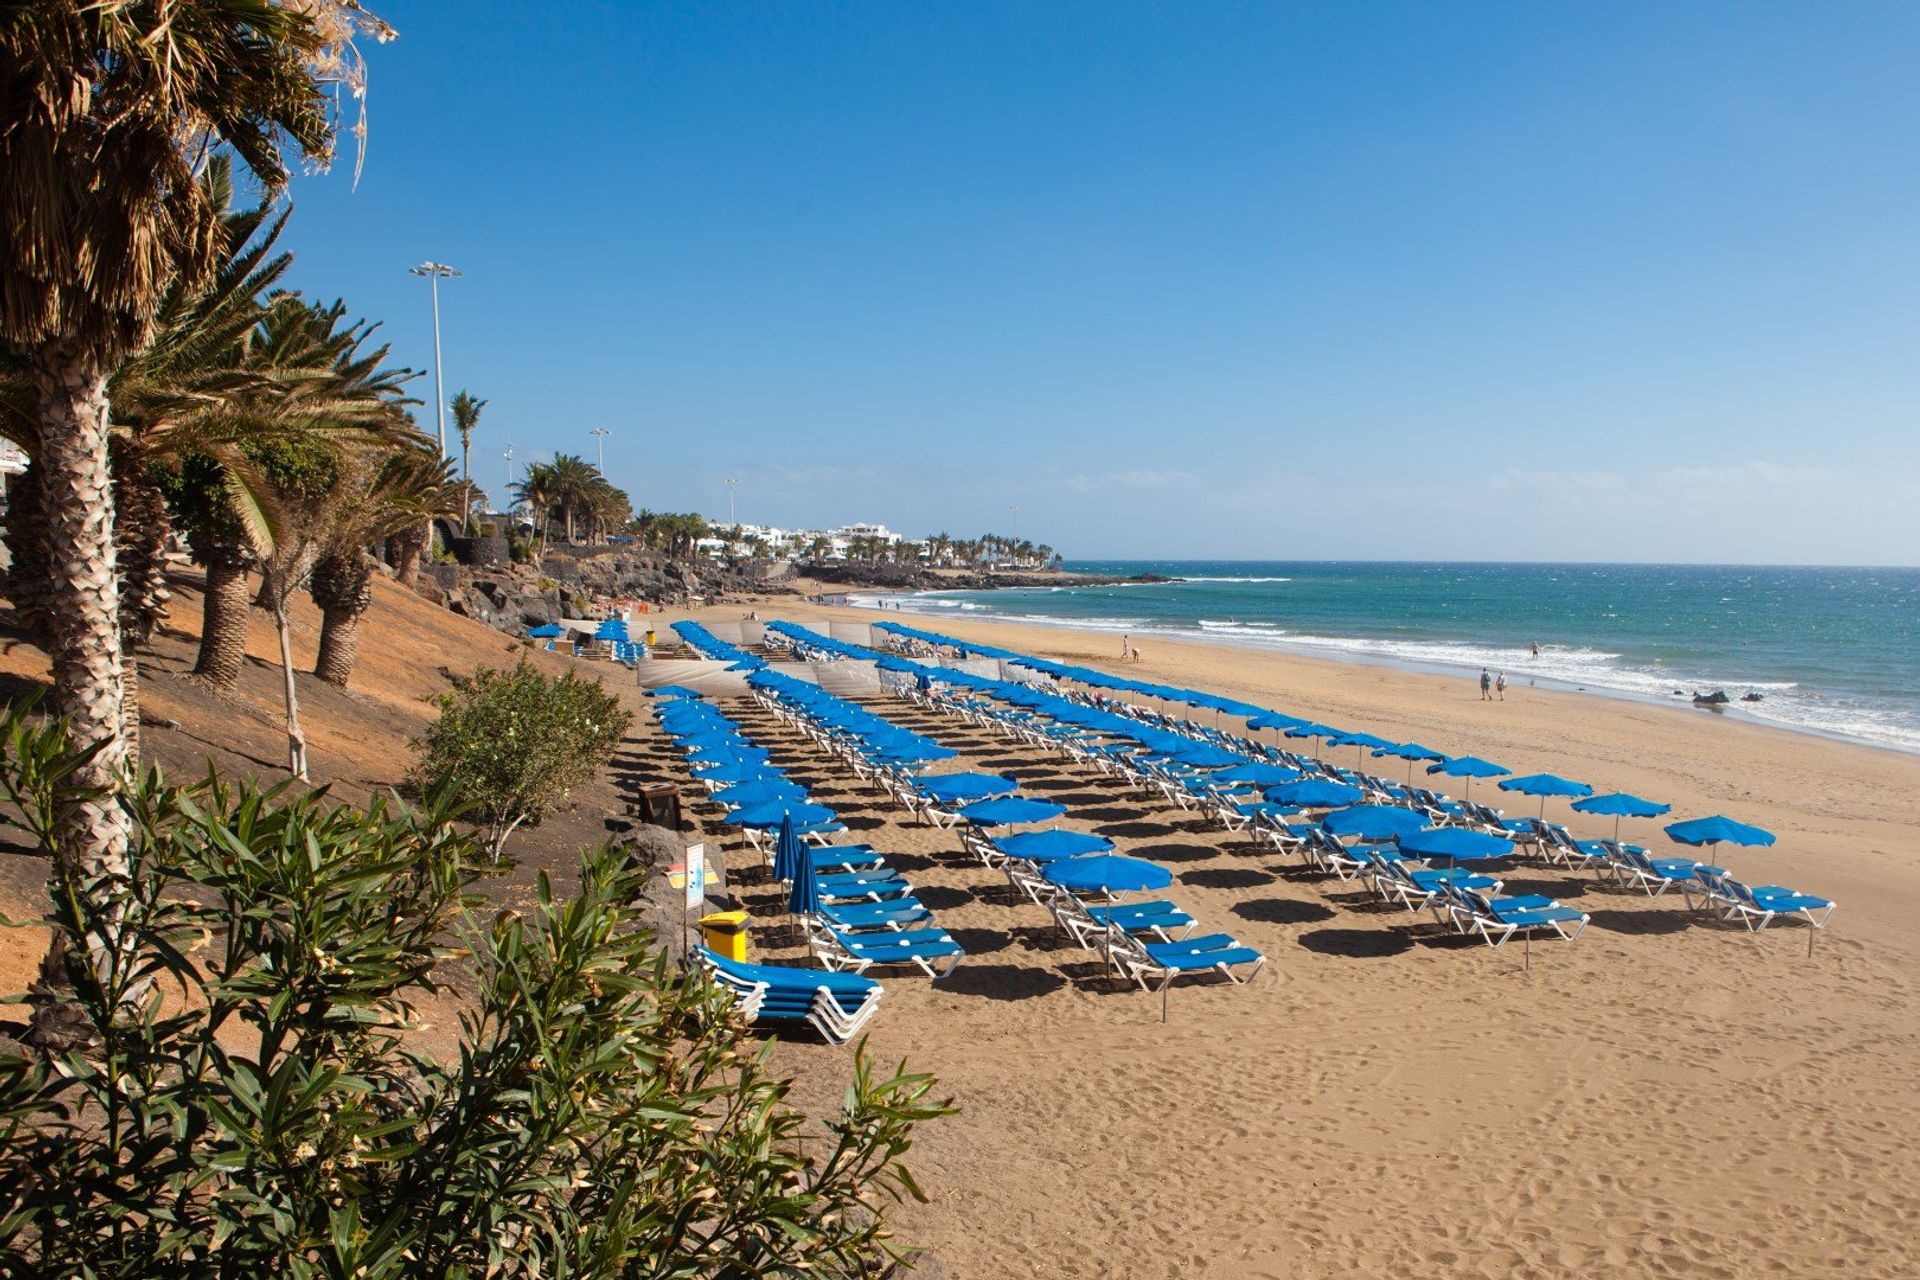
(1486, 684)
(1126, 647)
(1500, 683)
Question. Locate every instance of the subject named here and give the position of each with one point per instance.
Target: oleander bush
(259, 1099)
(513, 744)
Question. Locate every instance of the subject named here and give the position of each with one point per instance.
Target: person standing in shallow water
(1486, 685)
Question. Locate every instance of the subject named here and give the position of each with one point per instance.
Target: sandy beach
(1665, 1097)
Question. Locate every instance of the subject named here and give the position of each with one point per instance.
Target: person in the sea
(1536, 648)
(1500, 683)
(1486, 684)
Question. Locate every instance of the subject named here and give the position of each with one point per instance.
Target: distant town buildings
(812, 544)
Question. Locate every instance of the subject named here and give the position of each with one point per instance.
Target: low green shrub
(256, 1101)
(515, 743)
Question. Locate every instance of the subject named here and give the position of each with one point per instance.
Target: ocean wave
(1207, 579)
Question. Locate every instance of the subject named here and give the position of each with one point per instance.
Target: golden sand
(1664, 1097)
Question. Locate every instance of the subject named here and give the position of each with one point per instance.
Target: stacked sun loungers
(837, 1005)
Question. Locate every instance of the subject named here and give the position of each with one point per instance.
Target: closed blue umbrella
(1454, 843)
(950, 787)
(803, 899)
(772, 813)
(1316, 793)
(1618, 805)
(787, 852)
(1544, 785)
(1717, 830)
(1107, 873)
(1008, 811)
(1469, 767)
(1374, 821)
(1051, 845)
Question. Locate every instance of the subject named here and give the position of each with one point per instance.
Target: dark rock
(662, 906)
(1718, 698)
(1749, 697)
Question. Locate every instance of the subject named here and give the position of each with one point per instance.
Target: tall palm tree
(466, 416)
(111, 109)
(381, 492)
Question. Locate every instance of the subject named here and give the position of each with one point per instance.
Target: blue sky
(1401, 281)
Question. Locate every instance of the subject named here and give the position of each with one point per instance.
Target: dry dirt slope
(359, 739)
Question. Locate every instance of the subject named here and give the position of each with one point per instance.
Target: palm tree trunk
(339, 645)
(83, 628)
(296, 740)
(223, 623)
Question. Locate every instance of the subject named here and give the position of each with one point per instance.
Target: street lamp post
(507, 495)
(435, 272)
(731, 481)
(600, 435)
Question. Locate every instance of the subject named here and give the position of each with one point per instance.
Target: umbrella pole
(1164, 988)
(1526, 951)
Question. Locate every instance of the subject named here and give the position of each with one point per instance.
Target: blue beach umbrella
(759, 791)
(1618, 805)
(1258, 773)
(670, 692)
(1374, 821)
(1469, 767)
(950, 787)
(787, 852)
(1051, 845)
(1316, 793)
(1365, 741)
(611, 629)
(1309, 729)
(1011, 811)
(547, 631)
(1107, 873)
(804, 898)
(1411, 752)
(1455, 844)
(1716, 830)
(1204, 755)
(1544, 785)
(774, 812)
(737, 771)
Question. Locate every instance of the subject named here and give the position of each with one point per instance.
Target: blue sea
(1832, 651)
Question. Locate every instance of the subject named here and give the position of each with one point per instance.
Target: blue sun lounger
(1631, 865)
(853, 857)
(860, 951)
(1760, 905)
(890, 913)
(837, 1005)
(1498, 919)
(1154, 965)
(856, 886)
(1087, 924)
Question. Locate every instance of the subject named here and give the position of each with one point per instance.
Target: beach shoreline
(1311, 650)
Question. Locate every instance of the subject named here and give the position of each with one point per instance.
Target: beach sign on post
(696, 886)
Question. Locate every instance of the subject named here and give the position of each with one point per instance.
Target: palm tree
(111, 111)
(538, 491)
(380, 493)
(466, 416)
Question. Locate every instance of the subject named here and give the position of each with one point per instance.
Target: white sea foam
(1204, 579)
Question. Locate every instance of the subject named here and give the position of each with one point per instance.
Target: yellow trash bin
(725, 933)
(650, 640)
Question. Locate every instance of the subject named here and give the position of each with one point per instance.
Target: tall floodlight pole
(1013, 530)
(600, 435)
(508, 455)
(731, 481)
(435, 272)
